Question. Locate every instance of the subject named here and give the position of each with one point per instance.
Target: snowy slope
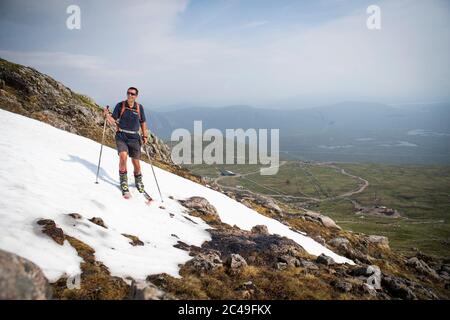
(47, 173)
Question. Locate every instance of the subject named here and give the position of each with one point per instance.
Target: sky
(276, 54)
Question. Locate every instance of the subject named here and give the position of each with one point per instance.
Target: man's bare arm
(109, 117)
(144, 131)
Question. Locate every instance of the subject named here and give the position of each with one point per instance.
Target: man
(129, 117)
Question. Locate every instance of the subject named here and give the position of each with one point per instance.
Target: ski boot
(124, 185)
(139, 183)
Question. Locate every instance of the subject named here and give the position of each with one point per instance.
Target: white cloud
(254, 24)
(407, 59)
(90, 65)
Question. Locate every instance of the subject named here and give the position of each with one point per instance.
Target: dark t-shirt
(130, 118)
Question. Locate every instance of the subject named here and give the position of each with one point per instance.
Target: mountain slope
(199, 244)
(52, 175)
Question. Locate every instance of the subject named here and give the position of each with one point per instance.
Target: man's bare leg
(137, 166)
(123, 156)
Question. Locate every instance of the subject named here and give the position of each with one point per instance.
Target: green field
(420, 193)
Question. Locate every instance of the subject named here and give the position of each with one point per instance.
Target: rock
(329, 223)
(98, 221)
(247, 289)
(2, 84)
(144, 290)
(206, 261)
(201, 205)
(324, 220)
(444, 275)
(267, 202)
(308, 264)
(75, 216)
(260, 229)
(341, 285)
(281, 265)
(365, 271)
(135, 241)
(446, 268)
(324, 259)
(21, 279)
(397, 287)
(367, 288)
(378, 240)
(421, 267)
(235, 261)
(51, 230)
(319, 239)
(339, 242)
(312, 214)
(289, 260)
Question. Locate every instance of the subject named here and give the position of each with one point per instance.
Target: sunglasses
(131, 93)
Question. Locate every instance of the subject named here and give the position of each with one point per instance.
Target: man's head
(132, 93)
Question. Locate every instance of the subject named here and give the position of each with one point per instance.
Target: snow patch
(48, 173)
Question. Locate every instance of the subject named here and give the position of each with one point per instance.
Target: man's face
(131, 94)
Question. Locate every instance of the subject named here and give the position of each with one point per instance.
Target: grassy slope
(420, 193)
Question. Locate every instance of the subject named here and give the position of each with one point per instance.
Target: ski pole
(154, 175)
(101, 148)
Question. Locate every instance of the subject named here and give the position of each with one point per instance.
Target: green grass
(420, 193)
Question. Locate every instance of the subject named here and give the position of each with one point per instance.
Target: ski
(126, 194)
(147, 197)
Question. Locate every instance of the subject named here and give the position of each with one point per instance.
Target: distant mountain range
(348, 129)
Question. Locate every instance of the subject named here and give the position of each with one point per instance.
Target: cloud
(44, 60)
(142, 42)
(254, 24)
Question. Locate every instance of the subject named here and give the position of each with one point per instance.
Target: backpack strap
(123, 108)
(139, 111)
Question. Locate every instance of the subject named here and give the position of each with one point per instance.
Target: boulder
(342, 285)
(207, 261)
(235, 261)
(397, 288)
(365, 271)
(260, 229)
(378, 240)
(289, 260)
(268, 203)
(324, 259)
(324, 220)
(145, 290)
(21, 279)
(308, 264)
(367, 288)
(339, 242)
(329, 223)
(421, 267)
(201, 205)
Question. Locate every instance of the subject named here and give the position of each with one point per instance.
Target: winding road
(279, 194)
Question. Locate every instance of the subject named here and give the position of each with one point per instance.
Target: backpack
(122, 110)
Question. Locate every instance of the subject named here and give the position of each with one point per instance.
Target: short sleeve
(116, 112)
(143, 119)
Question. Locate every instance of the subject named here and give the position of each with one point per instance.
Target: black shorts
(131, 143)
